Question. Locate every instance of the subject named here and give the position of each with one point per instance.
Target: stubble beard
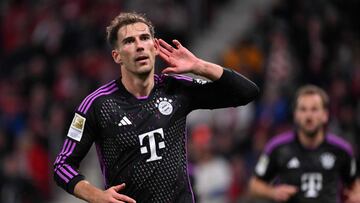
(311, 133)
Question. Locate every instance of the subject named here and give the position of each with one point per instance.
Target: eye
(128, 40)
(145, 37)
(301, 108)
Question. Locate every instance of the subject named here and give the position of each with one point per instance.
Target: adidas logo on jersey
(124, 121)
(293, 163)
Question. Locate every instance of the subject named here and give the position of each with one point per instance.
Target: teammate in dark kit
(309, 164)
(138, 121)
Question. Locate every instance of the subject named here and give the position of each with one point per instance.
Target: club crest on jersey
(164, 105)
(327, 160)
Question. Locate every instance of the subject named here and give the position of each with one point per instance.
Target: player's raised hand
(179, 59)
(282, 193)
(112, 195)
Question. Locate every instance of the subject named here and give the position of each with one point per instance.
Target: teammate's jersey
(317, 173)
(141, 141)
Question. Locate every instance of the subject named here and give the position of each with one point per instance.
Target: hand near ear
(179, 59)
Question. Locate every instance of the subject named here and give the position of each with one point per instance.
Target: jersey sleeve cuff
(226, 75)
(71, 185)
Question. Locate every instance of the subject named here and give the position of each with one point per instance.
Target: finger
(164, 57)
(177, 43)
(289, 188)
(113, 200)
(169, 70)
(119, 187)
(117, 201)
(166, 45)
(124, 198)
(293, 189)
(164, 51)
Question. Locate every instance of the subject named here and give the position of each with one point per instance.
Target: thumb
(169, 70)
(117, 188)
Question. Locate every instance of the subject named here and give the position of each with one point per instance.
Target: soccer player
(137, 121)
(308, 164)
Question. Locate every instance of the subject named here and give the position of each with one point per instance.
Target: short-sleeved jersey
(141, 141)
(317, 173)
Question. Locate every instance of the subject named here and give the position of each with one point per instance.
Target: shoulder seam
(279, 140)
(103, 90)
(340, 143)
(181, 77)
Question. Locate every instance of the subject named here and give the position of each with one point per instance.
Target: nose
(139, 45)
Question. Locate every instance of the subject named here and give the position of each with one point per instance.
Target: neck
(311, 142)
(139, 86)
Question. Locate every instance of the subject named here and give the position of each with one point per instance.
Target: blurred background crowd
(53, 53)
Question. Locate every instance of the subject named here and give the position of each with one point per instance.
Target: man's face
(310, 114)
(136, 49)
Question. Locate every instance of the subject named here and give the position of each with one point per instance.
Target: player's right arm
(82, 133)
(266, 169)
(84, 190)
(79, 139)
(278, 193)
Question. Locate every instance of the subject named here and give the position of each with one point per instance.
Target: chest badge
(164, 105)
(327, 160)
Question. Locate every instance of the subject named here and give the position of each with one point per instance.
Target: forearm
(208, 70)
(237, 88)
(260, 188)
(86, 191)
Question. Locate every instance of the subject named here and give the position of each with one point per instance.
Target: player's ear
(116, 56)
(326, 116)
(156, 45)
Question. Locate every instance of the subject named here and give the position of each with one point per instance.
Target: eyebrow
(127, 39)
(132, 37)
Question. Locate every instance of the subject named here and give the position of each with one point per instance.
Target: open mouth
(141, 58)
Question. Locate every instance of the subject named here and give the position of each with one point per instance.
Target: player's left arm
(181, 60)
(227, 83)
(352, 193)
(349, 175)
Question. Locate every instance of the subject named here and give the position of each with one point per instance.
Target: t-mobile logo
(311, 184)
(152, 143)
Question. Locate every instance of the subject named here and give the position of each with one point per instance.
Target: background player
(309, 163)
(138, 121)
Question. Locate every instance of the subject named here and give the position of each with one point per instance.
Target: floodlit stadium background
(53, 53)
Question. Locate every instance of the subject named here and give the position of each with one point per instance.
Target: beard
(310, 133)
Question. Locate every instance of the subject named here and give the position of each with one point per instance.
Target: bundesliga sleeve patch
(77, 127)
(262, 165)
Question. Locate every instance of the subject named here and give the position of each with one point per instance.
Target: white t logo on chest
(311, 184)
(153, 143)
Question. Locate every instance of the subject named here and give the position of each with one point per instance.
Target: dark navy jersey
(141, 141)
(317, 173)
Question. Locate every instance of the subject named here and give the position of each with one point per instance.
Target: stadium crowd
(53, 53)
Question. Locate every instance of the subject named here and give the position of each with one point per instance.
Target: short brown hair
(310, 90)
(124, 19)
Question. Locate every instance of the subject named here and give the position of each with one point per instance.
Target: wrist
(272, 193)
(199, 67)
(84, 190)
(208, 70)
